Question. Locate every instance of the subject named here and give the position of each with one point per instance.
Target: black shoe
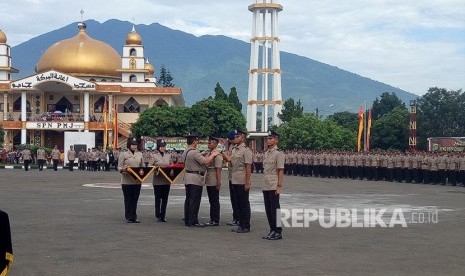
(243, 230)
(132, 221)
(234, 229)
(200, 225)
(275, 236)
(212, 223)
(161, 220)
(269, 234)
(233, 223)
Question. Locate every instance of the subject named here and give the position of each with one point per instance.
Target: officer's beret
(272, 134)
(161, 143)
(240, 131)
(213, 138)
(231, 135)
(133, 141)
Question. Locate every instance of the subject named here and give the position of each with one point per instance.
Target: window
(63, 105)
(98, 105)
(160, 102)
(17, 105)
(133, 78)
(132, 52)
(131, 106)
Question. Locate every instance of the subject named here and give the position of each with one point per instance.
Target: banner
(170, 173)
(140, 173)
(115, 127)
(456, 144)
(360, 128)
(368, 129)
(105, 121)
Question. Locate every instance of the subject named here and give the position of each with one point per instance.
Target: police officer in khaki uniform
(241, 161)
(195, 168)
(272, 184)
(213, 182)
(71, 157)
(130, 186)
(81, 159)
(26, 153)
(161, 186)
(41, 157)
(55, 157)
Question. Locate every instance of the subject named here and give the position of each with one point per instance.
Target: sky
(409, 44)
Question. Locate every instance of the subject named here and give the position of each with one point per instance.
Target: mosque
(81, 84)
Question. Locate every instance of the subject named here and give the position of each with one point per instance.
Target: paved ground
(71, 223)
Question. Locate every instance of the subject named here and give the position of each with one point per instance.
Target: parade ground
(72, 223)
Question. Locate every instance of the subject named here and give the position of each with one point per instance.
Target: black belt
(196, 172)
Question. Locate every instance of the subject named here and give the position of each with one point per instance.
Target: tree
(215, 117)
(291, 110)
(162, 121)
(220, 95)
(391, 130)
(233, 99)
(345, 119)
(309, 132)
(440, 113)
(165, 79)
(387, 103)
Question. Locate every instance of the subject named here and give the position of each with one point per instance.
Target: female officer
(131, 187)
(161, 186)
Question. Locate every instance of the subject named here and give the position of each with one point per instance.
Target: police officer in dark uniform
(195, 168)
(272, 184)
(6, 248)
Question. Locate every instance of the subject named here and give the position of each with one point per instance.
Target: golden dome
(2, 37)
(149, 67)
(133, 38)
(81, 55)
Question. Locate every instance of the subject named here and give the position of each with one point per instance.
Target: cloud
(412, 45)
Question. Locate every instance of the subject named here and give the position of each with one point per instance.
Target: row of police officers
(410, 167)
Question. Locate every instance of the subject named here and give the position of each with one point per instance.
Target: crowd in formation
(444, 168)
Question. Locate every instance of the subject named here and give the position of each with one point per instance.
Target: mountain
(198, 63)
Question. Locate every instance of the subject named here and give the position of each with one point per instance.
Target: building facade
(80, 84)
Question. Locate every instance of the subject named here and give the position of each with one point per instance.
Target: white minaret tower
(5, 59)
(265, 66)
(133, 61)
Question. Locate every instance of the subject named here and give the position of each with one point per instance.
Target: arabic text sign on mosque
(75, 83)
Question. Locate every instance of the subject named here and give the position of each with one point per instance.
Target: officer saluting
(272, 183)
